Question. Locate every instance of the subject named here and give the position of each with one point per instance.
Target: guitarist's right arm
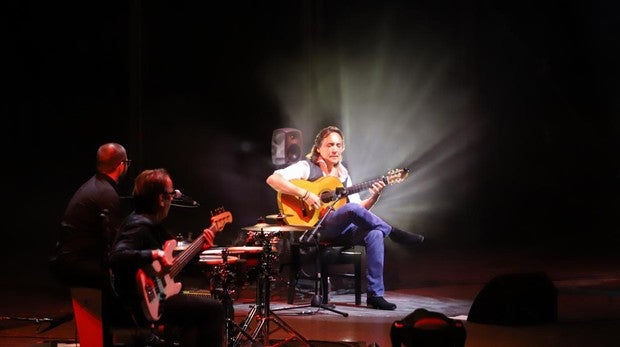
(137, 246)
(280, 181)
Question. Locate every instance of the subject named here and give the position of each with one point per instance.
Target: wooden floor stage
(444, 280)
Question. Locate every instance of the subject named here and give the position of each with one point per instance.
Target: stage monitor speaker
(286, 144)
(516, 299)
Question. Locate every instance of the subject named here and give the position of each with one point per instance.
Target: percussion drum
(245, 249)
(210, 259)
(255, 238)
(251, 254)
(213, 266)
(224, 276)
(213, 251)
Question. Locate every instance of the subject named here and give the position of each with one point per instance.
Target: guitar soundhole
(327, 196)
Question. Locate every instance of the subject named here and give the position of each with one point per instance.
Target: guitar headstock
(220, 218)
(396, 175)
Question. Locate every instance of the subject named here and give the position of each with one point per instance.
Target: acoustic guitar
(331, 191)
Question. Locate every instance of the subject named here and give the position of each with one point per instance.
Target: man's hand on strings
(312, 200)
(161, 257)
(209, 237)
(376, 188)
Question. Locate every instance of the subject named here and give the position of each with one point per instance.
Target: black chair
(323, 258)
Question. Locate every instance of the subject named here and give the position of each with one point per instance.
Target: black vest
(315, 171)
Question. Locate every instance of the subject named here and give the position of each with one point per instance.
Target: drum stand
(222, 291)
(263, 311)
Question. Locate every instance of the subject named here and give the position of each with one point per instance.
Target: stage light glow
(399, 106)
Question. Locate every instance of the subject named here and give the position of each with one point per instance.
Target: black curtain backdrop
(178, 85)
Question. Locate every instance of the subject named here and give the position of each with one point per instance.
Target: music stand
(313, 237)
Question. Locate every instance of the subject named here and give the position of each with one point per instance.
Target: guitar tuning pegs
(217, 211)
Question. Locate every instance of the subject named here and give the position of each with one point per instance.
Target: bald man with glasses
(86, 231)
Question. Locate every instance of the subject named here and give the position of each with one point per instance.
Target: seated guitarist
(195, 320)
(352, 223)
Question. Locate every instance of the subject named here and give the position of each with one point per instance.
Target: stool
(87, 312)
(328, 255)
(119, 329)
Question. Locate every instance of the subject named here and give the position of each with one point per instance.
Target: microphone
(182, 200)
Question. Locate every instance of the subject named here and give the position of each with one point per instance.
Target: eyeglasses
(173, 194)
(127, 162)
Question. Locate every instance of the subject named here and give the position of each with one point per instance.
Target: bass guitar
(331, 191)
(156, 282)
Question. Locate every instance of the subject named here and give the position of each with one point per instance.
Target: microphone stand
(339, 193)
(53, 322)
(313, 236)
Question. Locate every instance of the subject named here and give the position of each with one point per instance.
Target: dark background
(182, 86)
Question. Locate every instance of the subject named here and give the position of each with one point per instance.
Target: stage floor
(444, 280)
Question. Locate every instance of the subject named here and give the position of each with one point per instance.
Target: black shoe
(150, 340)
(379, 303)
(405, 238)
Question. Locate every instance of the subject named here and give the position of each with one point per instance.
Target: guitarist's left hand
(375, 192)
(209, 237)
(377, 187)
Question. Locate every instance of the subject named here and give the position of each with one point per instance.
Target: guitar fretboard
(356, 188)
(190, 252)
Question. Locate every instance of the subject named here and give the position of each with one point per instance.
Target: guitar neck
(188, 254)
(356, 188)
(217, 224)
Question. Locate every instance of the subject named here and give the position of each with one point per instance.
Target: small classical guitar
(331, 191)
(156, 282)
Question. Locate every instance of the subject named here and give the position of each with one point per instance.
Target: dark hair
(148, 185)
(313, 155)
